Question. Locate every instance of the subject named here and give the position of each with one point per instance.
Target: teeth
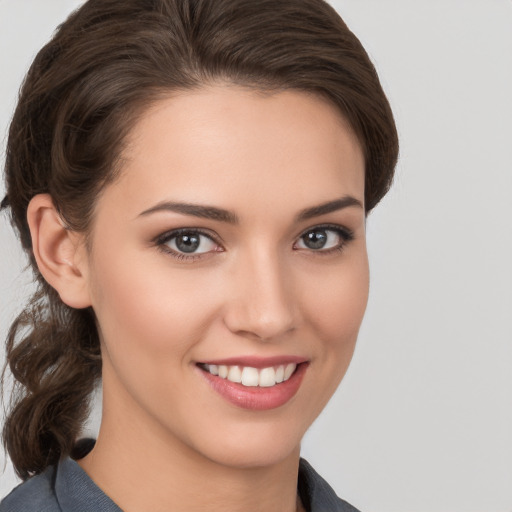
(252, 377)
(267, 377)
(234, 374)
(290, 368)
(249, 376)
(223, 371)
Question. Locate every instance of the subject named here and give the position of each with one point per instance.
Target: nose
(262, 304)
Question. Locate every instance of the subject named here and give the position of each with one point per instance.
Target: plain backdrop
(423, 419)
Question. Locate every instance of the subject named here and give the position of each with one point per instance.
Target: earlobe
(58, 252)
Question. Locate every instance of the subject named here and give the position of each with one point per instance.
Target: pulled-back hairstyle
(84, 91)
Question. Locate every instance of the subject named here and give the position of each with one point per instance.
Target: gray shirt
(67, 488)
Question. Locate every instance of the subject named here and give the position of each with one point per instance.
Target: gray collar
(75, 491)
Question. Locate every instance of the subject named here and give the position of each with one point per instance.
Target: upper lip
(255, 361)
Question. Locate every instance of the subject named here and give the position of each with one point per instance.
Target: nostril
(262, 306)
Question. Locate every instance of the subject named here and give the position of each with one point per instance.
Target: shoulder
(316, 494)
(36, 494)
(63, 488)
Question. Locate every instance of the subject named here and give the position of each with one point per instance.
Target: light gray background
(423, 420)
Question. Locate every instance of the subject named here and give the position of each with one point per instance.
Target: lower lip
(256, 398)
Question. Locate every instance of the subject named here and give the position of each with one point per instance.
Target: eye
(185, 242)
(324, 238)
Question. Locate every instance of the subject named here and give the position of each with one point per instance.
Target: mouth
(257, 385)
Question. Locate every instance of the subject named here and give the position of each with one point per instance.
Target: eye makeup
(183, 243)
(324, 239)
(191, 244)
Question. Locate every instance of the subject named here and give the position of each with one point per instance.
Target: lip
(256, 398)
(257, 362)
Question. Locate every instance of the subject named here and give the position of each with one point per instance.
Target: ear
(59, 252)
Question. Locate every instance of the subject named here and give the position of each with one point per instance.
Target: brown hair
(82, 94)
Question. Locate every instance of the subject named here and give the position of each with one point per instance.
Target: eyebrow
(219, 214)
(196, 210)
(329, 207)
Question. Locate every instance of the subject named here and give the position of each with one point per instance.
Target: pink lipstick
(255, 383)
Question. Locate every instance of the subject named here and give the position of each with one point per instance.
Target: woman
(190, 180)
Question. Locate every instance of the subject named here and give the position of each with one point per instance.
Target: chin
(256, 457)
(252, 446)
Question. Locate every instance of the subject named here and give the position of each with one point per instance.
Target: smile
(254, 384)
(252, 377)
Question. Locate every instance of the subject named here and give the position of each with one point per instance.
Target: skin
(257, 290)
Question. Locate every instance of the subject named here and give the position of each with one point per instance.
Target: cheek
(337, 307)
(150, 307)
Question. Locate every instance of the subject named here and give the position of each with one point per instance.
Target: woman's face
(233, 243)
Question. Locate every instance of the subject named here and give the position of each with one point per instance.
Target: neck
(146, 469)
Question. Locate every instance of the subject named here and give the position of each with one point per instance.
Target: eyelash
(345, 234)
(162, 241)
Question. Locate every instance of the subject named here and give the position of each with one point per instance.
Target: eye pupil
(315, 239)
(187, 243)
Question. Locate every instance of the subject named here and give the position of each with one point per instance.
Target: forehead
(227, 145)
